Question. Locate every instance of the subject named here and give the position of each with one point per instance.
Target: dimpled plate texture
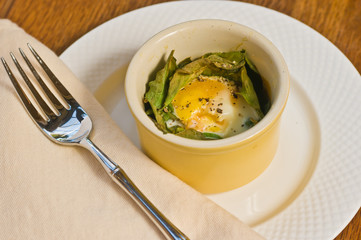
(324, 84)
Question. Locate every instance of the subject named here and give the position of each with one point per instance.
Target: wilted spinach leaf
(248, 92)
(258, 85)
(227, 60)
(193, 134)
(158, 87)
(183, 76)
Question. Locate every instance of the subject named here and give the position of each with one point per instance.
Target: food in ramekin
(217, 95)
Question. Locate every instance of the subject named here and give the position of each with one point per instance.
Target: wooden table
(58, 23)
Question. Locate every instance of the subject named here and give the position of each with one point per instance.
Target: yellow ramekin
(210, 166)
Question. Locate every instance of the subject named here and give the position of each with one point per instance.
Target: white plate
(312, 189)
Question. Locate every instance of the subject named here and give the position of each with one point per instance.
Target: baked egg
(213, 105)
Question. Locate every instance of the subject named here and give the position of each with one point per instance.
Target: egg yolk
(209, 104)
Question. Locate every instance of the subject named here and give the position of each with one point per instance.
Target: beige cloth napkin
(49, 191)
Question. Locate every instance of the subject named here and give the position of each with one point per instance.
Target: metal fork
(72, 125)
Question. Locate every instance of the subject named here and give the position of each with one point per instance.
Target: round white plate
(312, 189)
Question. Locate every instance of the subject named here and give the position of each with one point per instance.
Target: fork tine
(33, 90)
(24, 99)
(51, 96)
(66, 95)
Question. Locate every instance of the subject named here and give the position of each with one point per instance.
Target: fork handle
(169, 230)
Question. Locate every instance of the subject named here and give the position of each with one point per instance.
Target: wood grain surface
(58, 23)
